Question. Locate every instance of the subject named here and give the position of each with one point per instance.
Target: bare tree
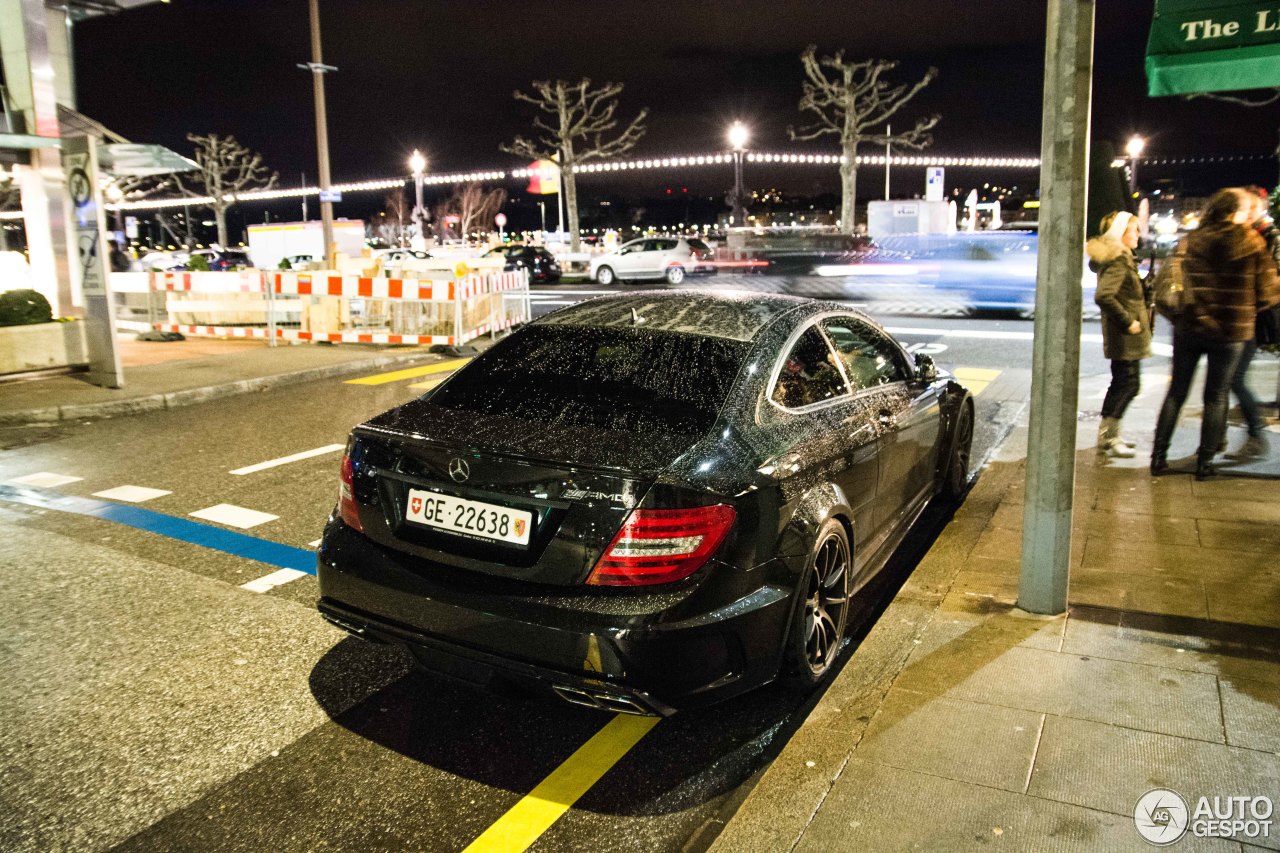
(227, 169)
(581, 118)
(395, 214)
(849, 99)
(474, 207)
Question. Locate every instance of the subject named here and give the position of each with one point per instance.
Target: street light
(418, 164)
(738, 135)
(1134, 148)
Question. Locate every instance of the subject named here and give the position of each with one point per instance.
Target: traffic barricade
(223, 304)
(322, 306)
(137, 307)
(358, 309)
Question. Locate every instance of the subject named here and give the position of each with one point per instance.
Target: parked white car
(654, 258)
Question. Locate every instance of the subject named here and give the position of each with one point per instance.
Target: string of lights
(680, 162)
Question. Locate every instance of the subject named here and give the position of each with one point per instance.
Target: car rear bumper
(632, 663)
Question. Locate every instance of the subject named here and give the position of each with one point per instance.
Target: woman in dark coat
(1231, 277)
(1126, 323)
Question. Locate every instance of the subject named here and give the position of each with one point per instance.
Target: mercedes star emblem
(459, 470)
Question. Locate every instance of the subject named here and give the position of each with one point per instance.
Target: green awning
(1213, 46)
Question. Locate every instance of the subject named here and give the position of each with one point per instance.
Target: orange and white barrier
(295, 306)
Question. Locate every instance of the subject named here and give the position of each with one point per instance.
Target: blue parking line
(181, 529)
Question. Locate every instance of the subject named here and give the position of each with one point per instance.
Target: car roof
(734, 314)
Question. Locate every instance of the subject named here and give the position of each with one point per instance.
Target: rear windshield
(624, 380)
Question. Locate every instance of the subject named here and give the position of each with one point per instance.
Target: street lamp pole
(738, 135)
(1134, 148)
(418, 164)
(318, 69)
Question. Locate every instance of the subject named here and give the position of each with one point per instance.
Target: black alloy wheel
(820, 619)
(956, 474)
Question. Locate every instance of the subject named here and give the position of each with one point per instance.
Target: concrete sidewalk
(963, 723)
(167, 375)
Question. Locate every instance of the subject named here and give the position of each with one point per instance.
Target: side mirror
(926, 370)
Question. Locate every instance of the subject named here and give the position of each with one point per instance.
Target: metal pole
(739, 210)
(888, 130)
(318, 70)
(304, 195)
(1133, 177)
(1055, 365)
(418, 211)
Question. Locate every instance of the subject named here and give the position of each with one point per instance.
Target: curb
(788, 791)
(191, 396)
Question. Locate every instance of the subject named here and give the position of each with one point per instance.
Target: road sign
(89, 256)
(933, 187)
(86, 213)
(330, 196)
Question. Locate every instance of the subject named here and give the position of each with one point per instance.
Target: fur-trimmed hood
(1103, 250)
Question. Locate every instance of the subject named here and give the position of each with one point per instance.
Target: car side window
(809, 373)
(666, 245)
(869, 358)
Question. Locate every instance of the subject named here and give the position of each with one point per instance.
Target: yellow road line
(528, 819)
(976, 379)
(411, 373)
(424, 386)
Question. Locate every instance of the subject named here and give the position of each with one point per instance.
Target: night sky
(439, 76)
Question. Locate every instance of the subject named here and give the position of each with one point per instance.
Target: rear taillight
(347, 498)
(662, 545)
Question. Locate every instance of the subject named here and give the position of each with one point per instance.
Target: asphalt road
(151, 702)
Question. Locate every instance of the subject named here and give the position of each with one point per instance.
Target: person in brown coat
(1126, 323)
(1231, 277)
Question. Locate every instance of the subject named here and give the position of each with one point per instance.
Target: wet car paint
(484, 616)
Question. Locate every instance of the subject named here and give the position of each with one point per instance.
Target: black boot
(1159, 464)
(1204, 466)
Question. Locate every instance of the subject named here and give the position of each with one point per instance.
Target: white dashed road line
(285, 460)
(234, 516)
(273, 580)
(131, 494)
(44, 480)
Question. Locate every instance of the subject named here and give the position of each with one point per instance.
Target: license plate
(473, 519)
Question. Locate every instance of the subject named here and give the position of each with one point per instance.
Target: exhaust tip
(601, 700)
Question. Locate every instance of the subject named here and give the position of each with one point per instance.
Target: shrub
(198, 263)
(24, 308)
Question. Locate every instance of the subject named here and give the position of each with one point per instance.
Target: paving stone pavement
(964, 723)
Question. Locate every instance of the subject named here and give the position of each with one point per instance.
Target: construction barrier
(342, 308)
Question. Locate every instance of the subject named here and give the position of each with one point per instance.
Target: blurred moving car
(163, 261)
(221, 260)
(980, 269)
(542, 265)
(654, 258)
(644, 502)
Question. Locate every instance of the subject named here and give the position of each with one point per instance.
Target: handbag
(1173, 299)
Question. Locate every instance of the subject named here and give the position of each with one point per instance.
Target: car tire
(675, 274)
(955, 476)
(822, 611)
(605, 276)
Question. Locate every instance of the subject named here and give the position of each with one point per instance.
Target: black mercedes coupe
(644, 502)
